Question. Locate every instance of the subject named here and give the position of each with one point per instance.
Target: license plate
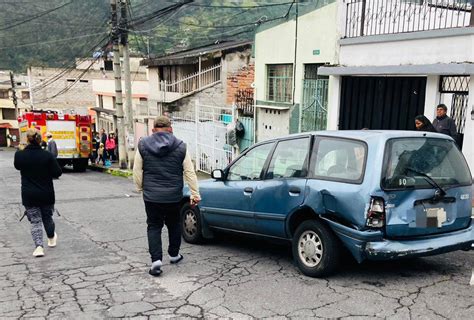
(430, 218)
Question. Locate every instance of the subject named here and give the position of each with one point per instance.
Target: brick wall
(241, 79)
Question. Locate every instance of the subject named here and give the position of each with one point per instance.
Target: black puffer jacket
(38, 168)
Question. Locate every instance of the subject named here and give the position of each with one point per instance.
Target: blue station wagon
(382, 194)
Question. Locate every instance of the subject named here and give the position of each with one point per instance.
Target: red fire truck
(71, 132)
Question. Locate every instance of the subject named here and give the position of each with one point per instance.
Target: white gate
(205, 133)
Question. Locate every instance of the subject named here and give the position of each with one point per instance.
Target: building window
(84, 81)
(25, 95)
(100, 99)
(311, 71)
(113, 102)
(8, 114)
(108, 65)
(4, 94)
(279, 82)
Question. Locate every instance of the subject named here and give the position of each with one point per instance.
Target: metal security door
(388, 103)
(204, 130)
(213, 150)
(455, 93)
(314, 107)
(458, 113)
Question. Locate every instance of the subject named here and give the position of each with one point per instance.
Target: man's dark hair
(442, 106)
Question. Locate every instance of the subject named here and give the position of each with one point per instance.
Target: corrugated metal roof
(191, 55)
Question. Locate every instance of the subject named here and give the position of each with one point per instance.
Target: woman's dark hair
(427, 125)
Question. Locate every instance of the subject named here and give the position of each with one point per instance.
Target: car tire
(315, 249)
(191, 224)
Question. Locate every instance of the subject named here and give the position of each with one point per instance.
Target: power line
(238, 6)
(68, 67)
(33, 17)
(52, 41)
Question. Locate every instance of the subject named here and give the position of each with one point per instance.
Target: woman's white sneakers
(52, 241)
(39, 252)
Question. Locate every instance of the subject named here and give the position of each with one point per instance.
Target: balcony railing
(191, 83)
(376, 17)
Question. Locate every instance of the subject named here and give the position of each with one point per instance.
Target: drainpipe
(294, 68)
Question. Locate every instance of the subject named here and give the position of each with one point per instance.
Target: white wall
(446, 49)
(317, 30)
(272, 123)
(139, 88)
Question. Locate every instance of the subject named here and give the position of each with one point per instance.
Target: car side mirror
(217, 174)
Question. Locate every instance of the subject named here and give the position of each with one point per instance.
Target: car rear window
(408, 159)
(340, 160)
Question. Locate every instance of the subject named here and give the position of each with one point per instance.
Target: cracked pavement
(99, 269)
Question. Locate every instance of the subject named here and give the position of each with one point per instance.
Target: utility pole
(30, 88)
(15, 100)
(128, 82)
(118, 87)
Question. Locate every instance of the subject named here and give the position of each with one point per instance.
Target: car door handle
(248, 190)
(294, 190)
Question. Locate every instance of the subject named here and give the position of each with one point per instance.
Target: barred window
(279, 82)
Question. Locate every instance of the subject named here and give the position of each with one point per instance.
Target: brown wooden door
(3, 137)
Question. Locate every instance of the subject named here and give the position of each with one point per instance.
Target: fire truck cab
(71, 132)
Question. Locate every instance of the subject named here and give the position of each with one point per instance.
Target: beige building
(9, 134)
(105, 109)
(65, 89)
(291, 95)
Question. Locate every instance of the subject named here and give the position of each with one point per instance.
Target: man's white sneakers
(39, 252)
(52, 241)
(176, 259)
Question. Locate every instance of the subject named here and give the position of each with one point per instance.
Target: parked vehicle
(71, 132)
(382, 194)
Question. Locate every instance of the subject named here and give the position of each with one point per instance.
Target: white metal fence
(205, 133)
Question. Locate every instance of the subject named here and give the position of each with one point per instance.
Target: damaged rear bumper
(443, 243)
(372, 245)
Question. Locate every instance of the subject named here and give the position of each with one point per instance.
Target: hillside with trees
(54, 32)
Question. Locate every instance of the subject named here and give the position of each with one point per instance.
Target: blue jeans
(159, 214)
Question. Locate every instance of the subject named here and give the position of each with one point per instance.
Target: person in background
(444, 124)
(38, 168)
(103, 140)
(161, 164)
(422, 123)
(100, 152)
(51, 147)
(110, 147)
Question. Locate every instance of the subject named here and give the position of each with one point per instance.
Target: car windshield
(410, 163)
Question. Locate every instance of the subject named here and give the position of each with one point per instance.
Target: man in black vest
(161, 164)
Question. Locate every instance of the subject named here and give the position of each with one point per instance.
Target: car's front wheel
(191, 224)
(315, 249)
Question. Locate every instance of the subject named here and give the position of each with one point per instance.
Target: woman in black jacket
(38, 168)
(422, 123)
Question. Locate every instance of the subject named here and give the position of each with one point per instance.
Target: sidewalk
(113, 169)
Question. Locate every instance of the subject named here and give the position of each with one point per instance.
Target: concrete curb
(113, 171)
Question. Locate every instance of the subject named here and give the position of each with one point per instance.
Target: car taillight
(376, 213)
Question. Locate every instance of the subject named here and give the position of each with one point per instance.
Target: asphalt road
(99, 269)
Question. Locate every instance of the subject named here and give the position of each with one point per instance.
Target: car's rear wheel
(315, 249)
(191, 224)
